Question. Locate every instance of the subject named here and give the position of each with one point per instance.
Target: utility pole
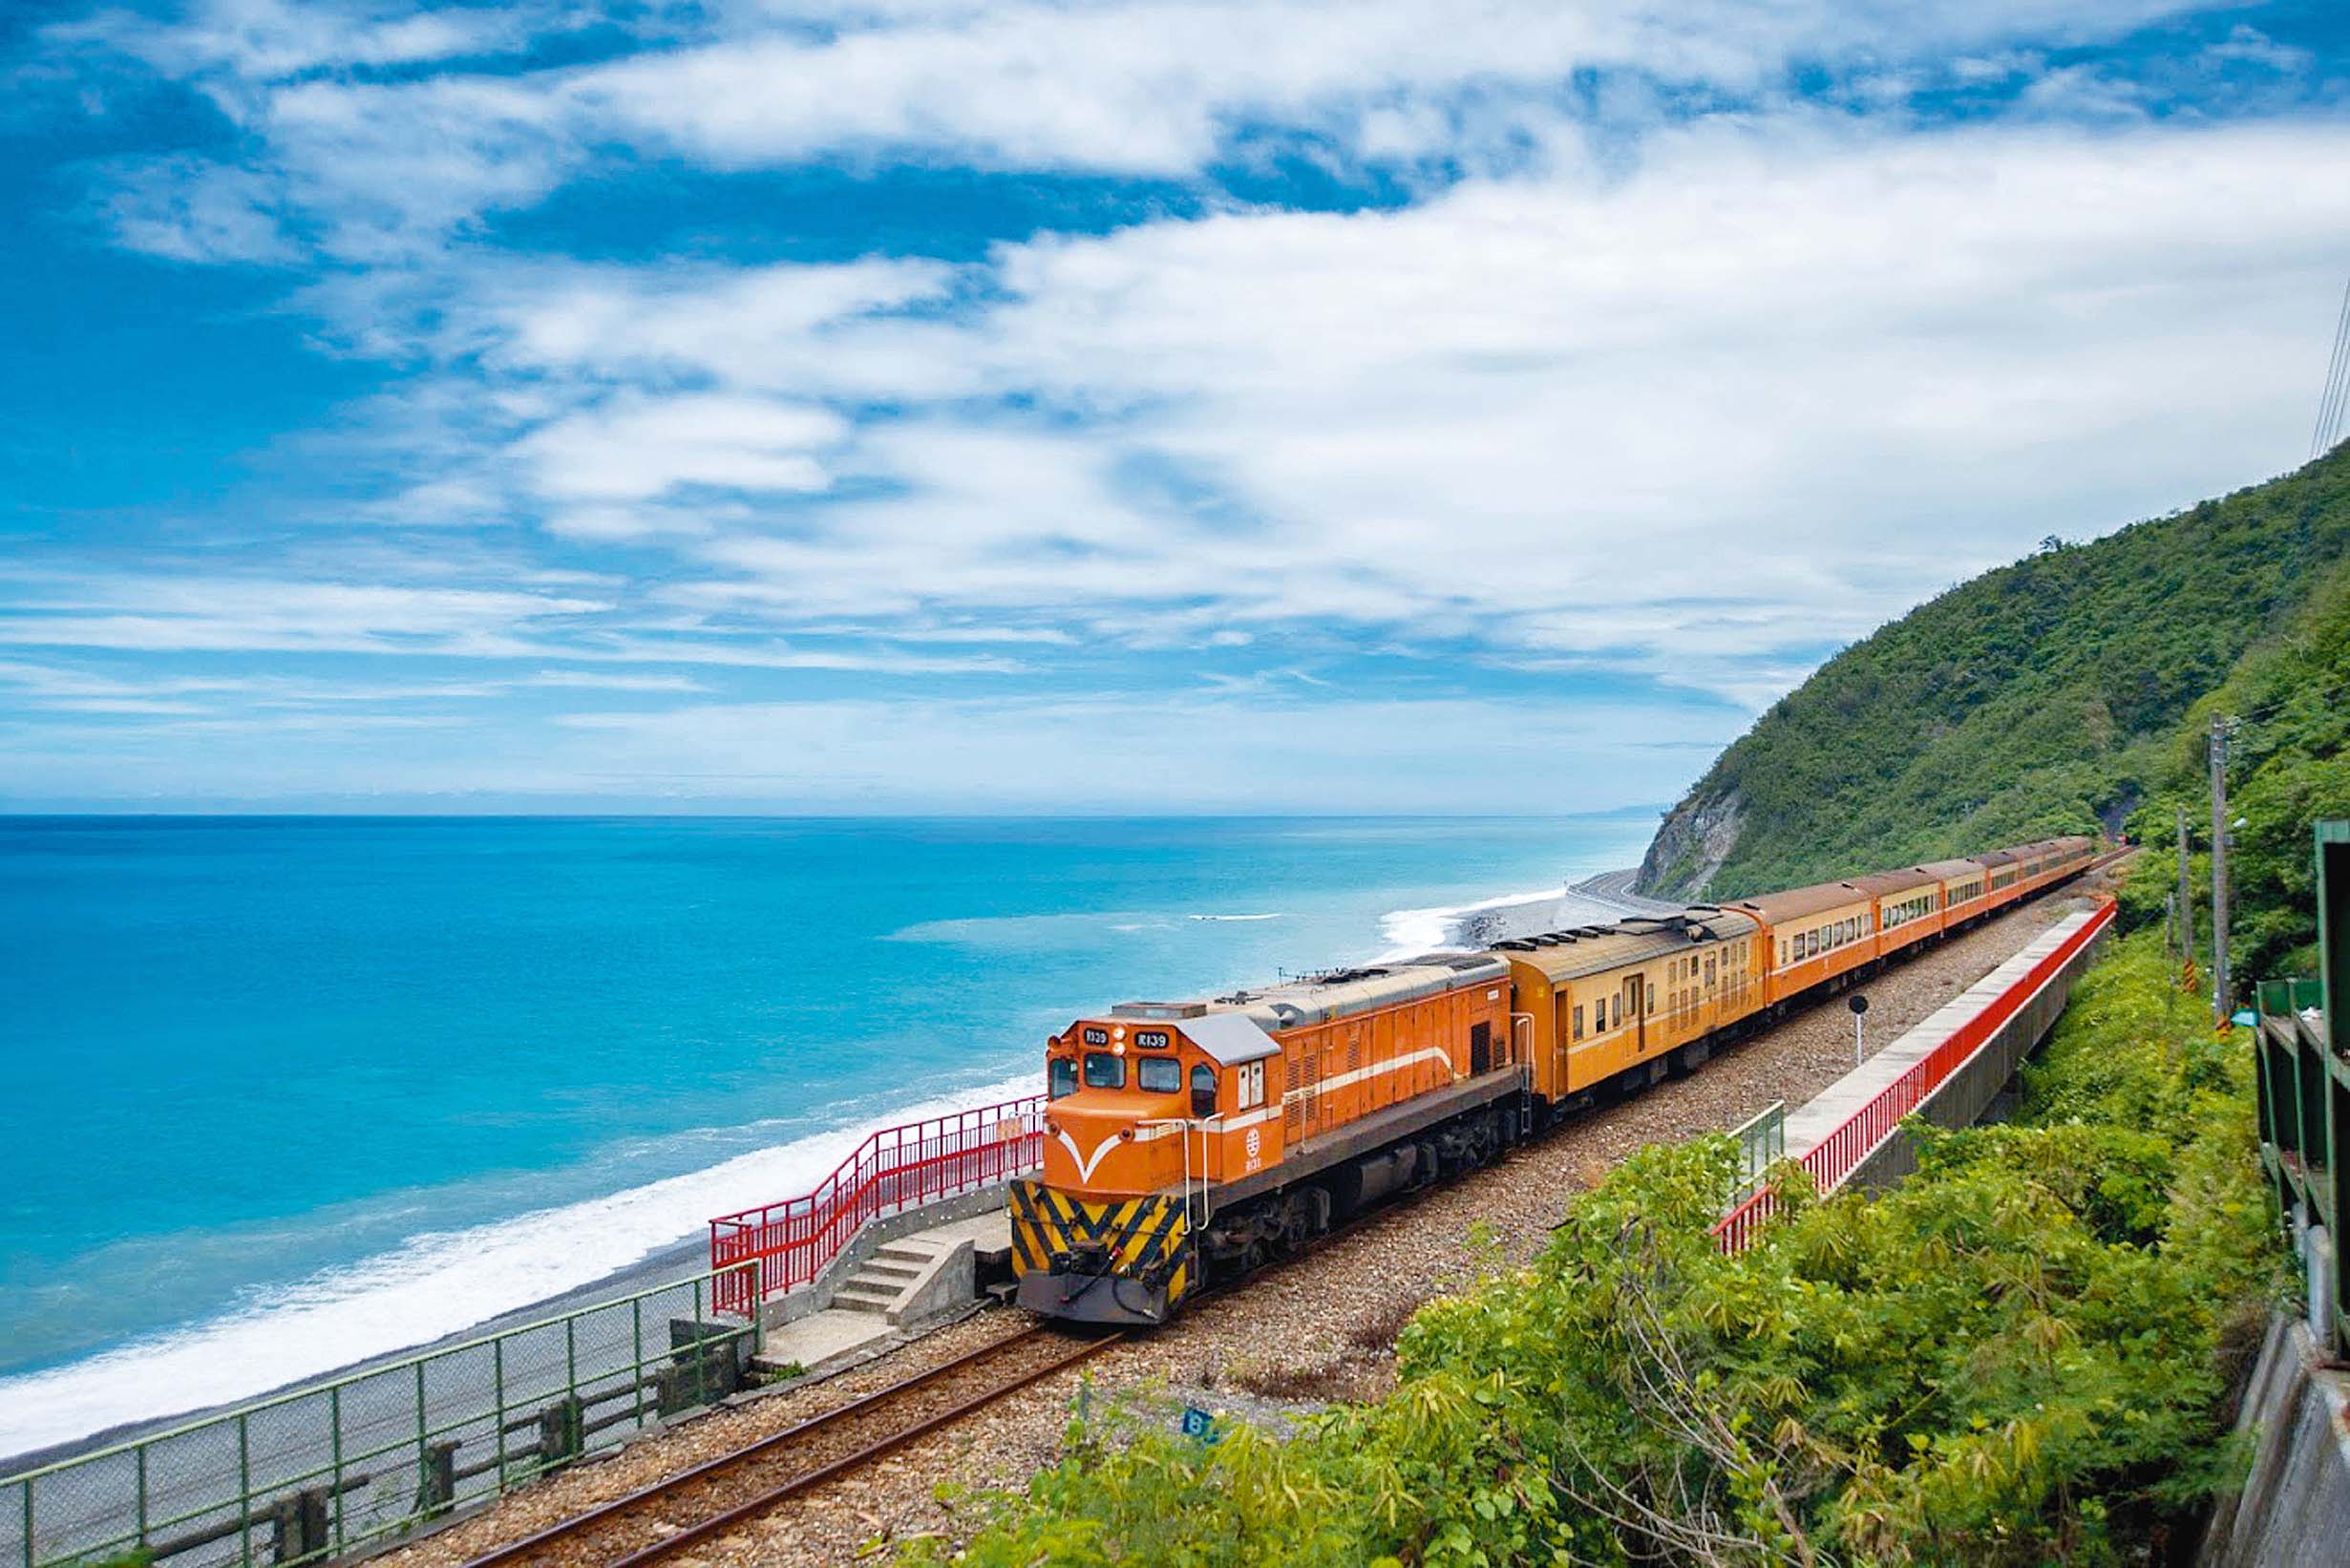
(2221, 1004)
(2187, 899)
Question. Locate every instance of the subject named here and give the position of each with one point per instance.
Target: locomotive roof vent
(1159, 1011)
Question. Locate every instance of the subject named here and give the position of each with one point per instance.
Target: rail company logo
(1253, 1143)
(1085, 1164)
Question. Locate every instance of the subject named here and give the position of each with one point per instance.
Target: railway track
(695, 1505)
(718, 1495)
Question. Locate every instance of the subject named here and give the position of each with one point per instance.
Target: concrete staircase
(895, 1279)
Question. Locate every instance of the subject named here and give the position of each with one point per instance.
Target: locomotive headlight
(1117, 1051)
(1117, 1032)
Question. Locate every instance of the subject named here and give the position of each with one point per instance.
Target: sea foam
(434, 1284)
(1412, 931)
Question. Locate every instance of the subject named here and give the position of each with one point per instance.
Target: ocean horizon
(299, 1089)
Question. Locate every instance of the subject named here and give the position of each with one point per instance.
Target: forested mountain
(2050, 696)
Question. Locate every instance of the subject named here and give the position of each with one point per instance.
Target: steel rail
(720, 1523)
(765, 1502)
(570, 1529)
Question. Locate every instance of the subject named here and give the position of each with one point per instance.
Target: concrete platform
(820, 1341)
(1808, 1127)
(990, 1234)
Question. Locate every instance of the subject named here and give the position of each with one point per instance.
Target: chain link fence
(310, 1474)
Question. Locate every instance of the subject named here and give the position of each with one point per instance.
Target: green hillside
(2044, 697)
(2290, 697)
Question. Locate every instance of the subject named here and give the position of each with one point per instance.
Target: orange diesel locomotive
(1190, 1140)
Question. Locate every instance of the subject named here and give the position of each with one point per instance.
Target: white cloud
(274, 40)
(1684, 404)
(2252, 46)
(595, 680)
(188, 210)
(636, 447)
(377, 169)
(1774, 383)
(210, 612)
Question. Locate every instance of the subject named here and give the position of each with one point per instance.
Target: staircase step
(890, 1268)
(909, 1252)
(865, 1290)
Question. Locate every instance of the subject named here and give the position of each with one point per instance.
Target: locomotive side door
(1632, 999)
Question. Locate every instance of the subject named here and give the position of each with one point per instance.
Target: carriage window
(1061, 1076)
(1160, 1074)
(1104, 1070)
(1579, 1023)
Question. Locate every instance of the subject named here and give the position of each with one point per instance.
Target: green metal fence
(2302, 1051)
(1762, 1142)
(313, 1473)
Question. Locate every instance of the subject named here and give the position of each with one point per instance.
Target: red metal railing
(1842, 1151)
(896, 1168)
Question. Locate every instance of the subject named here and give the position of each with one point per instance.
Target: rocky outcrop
(1697, 835)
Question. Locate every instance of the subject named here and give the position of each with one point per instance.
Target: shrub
(2021, 1352)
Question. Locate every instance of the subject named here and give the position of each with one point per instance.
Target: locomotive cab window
(1204, 1089)
(1104, 1070)
(1061, 1076)
(1160, 1074)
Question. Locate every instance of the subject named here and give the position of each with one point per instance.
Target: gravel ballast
(1317, 1331)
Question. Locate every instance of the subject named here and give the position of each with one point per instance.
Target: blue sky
(1127, 406)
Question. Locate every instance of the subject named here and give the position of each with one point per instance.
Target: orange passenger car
(1812, 935)
(1185, 1140)
(1909, 906)
(1635, 996)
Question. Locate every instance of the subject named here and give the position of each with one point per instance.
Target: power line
(2328, 429)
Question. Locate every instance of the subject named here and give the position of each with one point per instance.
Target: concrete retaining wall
(817, 1293)
(1962, 1098)
(2294, 1507)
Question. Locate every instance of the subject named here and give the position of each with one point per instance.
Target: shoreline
(685, 1255)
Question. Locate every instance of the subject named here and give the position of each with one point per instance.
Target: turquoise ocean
(277, 1095)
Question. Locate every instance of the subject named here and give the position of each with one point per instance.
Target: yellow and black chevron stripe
(1144, 1237)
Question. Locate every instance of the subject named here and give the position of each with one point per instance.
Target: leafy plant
(2019, 1354)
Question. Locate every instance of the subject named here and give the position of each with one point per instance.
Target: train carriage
(1185, 1140)
(1812, 935)
(1909, 906)
(1966, 889)
(1600, 1000)
(2002, 878)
